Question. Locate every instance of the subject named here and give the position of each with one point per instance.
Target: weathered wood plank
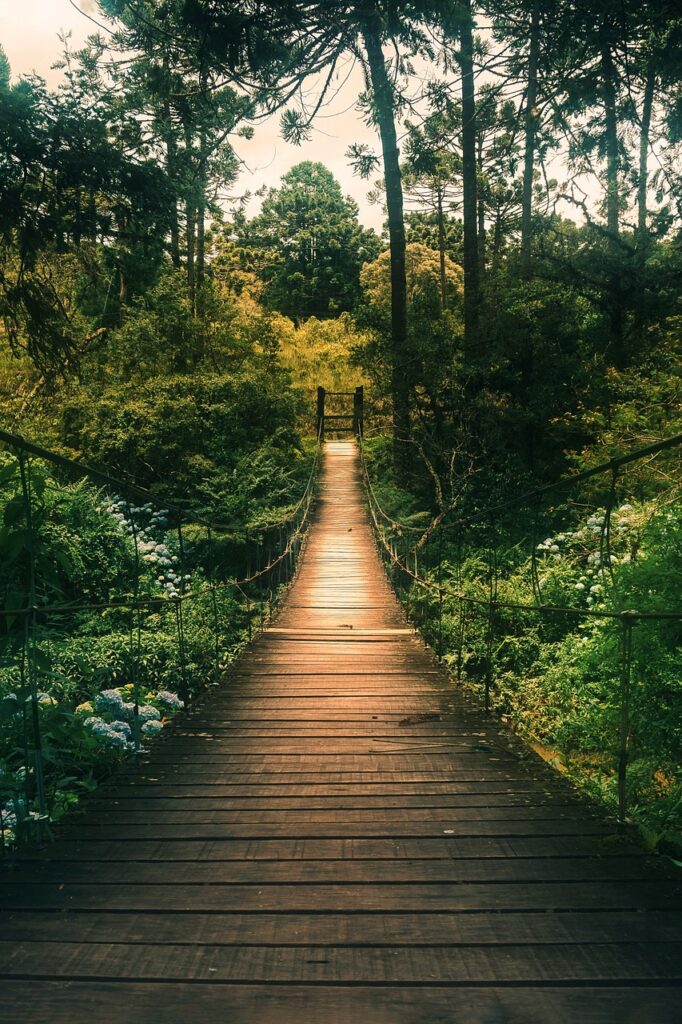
(352, 929)
(463, 847)
(200, 801)
(344, 830)
(379, 965)
(468, 897)
(80, 1002)
(347, 872)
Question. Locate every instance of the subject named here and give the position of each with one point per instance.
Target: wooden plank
(375, 816)
(351, 929)
(165, 790)
(469, 897)
(439, 848)
(374, 761)
(382, 965)
(329, 802)
(342, 830)
(348, 872)
(81, 1002)
(259, 775)
(319, 730)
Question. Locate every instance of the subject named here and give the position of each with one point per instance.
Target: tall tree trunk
(611, 131)
(171, 164)
(531, 126)
(642, 235)
(92, 217)
(644, 140)
(481, 237)
(480, 206)
(497, 239)
(78, 220)
(171, 170)
(201, 245)
(122, 272)
(469, 201)
(384, 109)
(441, 249)
(201, 223)
(175, 236)
(608, 83)
(190, 218)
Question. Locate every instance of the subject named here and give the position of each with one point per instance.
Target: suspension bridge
(338, 833)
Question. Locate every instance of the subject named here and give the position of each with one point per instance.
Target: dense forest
(516, 320)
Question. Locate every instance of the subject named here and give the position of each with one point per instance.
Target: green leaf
(64, 561)
(14, 511)
(42, 660)
(8, 709)
(7, 473)
(16, 542)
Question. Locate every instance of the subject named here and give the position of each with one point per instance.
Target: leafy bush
(557, 677)
(92, 667)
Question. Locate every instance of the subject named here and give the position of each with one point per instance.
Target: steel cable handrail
(293, 539)
(19, 443)
(628, 618)
(33, 616)
(612, 465)
(103, 479)
(465, 521)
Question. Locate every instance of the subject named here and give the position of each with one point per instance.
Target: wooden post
(320, 413)
(358, 411)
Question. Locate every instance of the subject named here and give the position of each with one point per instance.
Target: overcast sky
(29, 31)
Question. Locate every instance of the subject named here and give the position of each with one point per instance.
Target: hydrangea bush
(99, 731)
(148, 528)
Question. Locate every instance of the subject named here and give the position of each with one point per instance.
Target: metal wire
(288, 530)
(428, 584)
(385, 526)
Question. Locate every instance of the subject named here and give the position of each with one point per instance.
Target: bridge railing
(429, 568)
(340, 423)
(160, 570)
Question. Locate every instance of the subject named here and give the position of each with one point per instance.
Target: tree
(273, 49)
(431, 174)
(187, 115)
(469, 183)
(531, 122)
(424, 283)
(5, 71)
(521, 27)
(603, 77)
(75, 206)
(313, 243)
(422, 226)
(434, 334)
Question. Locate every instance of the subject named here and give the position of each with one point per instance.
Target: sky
(29, 34)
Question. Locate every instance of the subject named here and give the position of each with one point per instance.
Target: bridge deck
(338, 836)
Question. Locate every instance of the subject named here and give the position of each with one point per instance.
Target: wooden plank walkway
(337, 836)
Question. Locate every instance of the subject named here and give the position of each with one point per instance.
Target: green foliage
(310, 244)
(67, 181)
(557, 677)
(83, 684)
(321, 353)
(434, 339)
(140, 336)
